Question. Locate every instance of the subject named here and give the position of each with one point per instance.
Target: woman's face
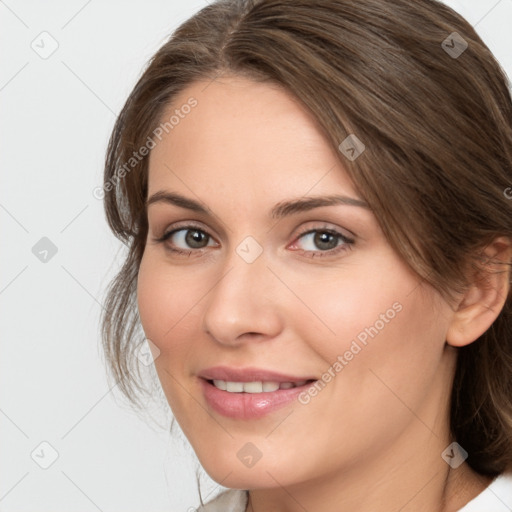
(276, 290)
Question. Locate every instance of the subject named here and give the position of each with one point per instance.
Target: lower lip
(249, 405)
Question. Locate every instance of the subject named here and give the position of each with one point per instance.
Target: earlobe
(485, 297)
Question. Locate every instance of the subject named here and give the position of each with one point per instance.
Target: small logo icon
(454, 45)
(147, 352)
(249, 249)
(45, 45)
(249, 455)
(44, 455)
(98, 193)
(44, 250)
(352, 147)
(454, 455)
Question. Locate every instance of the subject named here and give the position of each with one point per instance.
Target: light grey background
(56, 117)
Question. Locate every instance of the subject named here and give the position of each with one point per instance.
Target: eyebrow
(280, 210)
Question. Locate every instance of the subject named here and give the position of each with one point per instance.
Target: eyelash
(346, 245)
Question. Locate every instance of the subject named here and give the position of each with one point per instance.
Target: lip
(247, 406)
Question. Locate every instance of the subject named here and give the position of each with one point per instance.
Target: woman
(313, 196)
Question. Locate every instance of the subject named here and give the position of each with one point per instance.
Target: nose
(244, 304)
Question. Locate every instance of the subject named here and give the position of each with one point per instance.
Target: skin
(372, 438)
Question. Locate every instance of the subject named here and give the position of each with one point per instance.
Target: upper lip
(248, 374)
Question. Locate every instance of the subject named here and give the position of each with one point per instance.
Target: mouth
(256, 386)
(250, 393)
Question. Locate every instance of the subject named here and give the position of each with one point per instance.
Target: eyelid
(327, 226)
(303, 231)
(178, 226)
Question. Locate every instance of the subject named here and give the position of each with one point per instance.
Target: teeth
(234, 387)
(221, 384)
(254, 387)
(270, 386)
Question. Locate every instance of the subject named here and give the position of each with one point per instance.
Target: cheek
(152, 295)
(360, 303)
(377, 323)
(381, 340)
(166, 308)
(166, 304)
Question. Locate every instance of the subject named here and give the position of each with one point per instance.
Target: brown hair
(438, 134)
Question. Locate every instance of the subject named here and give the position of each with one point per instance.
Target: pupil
(194, 238)
(325, 238)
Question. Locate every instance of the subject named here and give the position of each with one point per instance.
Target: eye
(186, 239)
(317, 241)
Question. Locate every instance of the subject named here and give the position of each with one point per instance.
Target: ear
(485, 296)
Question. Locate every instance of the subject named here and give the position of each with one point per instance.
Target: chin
(231, 472)
(243, 479)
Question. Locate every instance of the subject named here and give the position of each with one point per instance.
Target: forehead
(243, 136)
